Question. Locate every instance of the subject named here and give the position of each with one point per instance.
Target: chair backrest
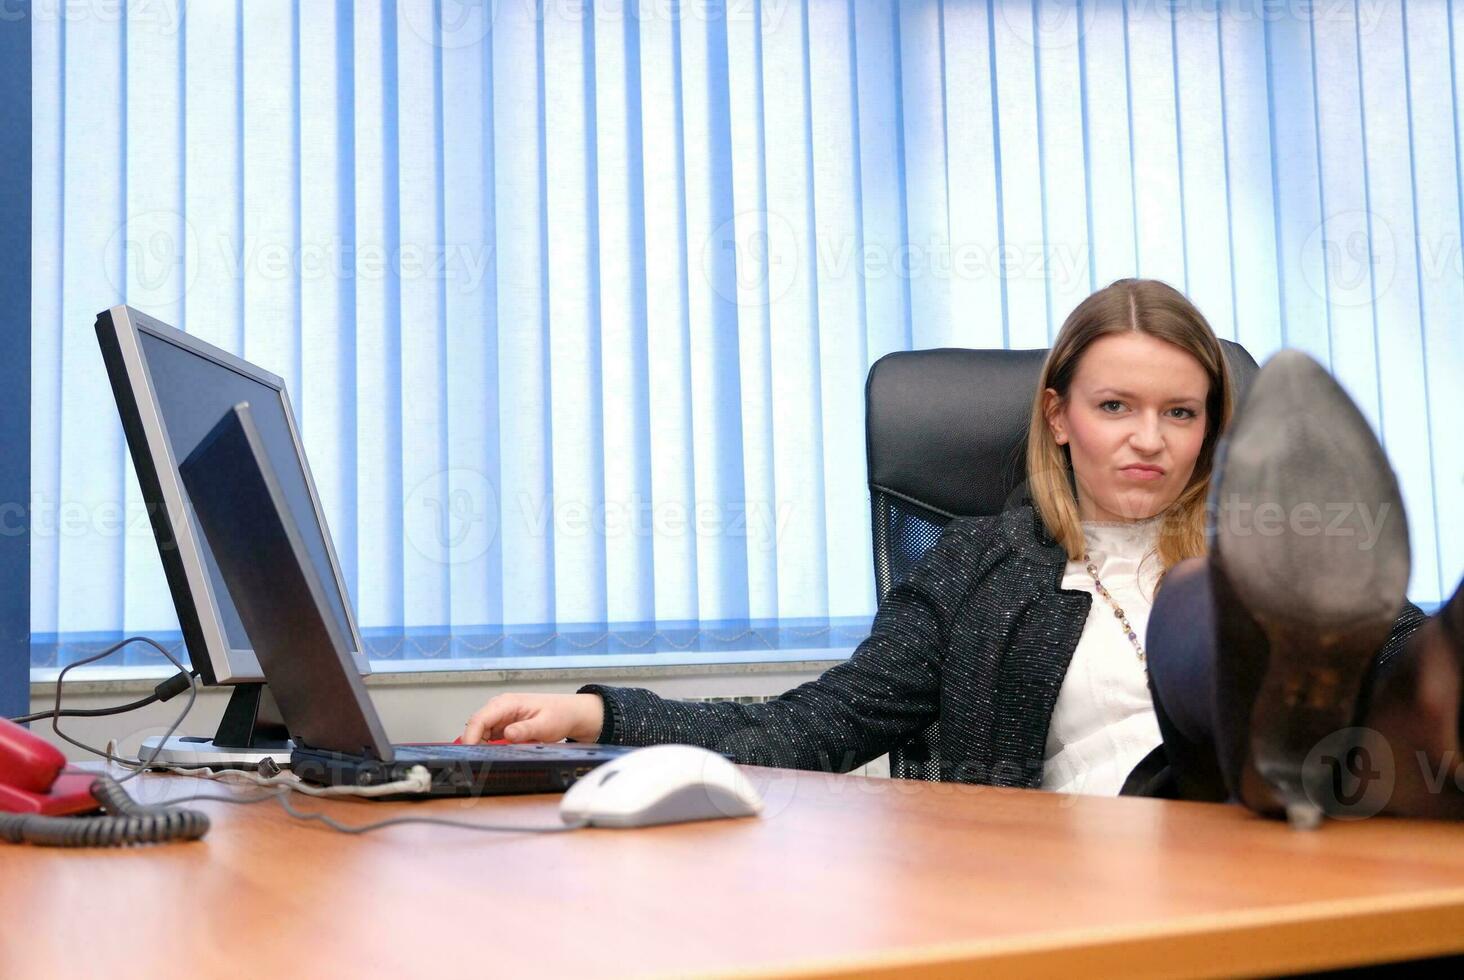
(945, 434)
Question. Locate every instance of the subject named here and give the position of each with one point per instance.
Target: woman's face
(1134, 421)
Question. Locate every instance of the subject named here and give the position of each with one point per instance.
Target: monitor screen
(193, 393)
(172, 388)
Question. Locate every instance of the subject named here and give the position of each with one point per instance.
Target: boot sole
(1324, 586)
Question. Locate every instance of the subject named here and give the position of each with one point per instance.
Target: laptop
(339, 739)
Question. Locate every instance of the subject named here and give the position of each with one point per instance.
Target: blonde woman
(1029, 635)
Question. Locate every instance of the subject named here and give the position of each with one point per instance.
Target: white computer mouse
(660, 784)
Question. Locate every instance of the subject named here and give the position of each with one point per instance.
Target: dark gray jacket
(979, 636)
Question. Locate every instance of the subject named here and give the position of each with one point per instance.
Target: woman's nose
(1146, 436)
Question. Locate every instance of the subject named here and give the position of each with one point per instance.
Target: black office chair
(946, 436)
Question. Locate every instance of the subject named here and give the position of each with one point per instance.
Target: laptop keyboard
(507, 753)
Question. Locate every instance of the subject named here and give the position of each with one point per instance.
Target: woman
(1022, 633)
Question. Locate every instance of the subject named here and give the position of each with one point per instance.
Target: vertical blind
(576, 300)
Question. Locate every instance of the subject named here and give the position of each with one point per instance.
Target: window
(576, 301)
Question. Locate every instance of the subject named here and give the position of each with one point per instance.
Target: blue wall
(15, 229)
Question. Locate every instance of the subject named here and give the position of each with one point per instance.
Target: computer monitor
(171, 390)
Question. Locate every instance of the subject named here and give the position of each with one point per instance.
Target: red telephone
(39, 802)
(31, 780)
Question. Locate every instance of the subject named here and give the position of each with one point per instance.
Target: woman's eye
(1114, 405)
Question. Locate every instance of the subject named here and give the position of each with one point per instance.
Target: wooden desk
(843, 876)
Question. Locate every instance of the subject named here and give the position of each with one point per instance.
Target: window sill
(518, 670)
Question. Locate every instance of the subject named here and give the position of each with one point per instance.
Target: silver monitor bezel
(228, 665)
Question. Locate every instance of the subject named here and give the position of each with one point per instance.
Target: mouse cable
(418, 780)
(414, 783)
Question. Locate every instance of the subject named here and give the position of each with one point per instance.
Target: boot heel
(1307, 698)
(1310, 543)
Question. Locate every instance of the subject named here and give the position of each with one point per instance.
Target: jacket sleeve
(887, 690)
(1410, 618)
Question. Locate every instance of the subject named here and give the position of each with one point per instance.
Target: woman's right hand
(537, 718)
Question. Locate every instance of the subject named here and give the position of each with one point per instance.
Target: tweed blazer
(979, 636)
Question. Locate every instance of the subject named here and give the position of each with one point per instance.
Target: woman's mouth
(1145, 473)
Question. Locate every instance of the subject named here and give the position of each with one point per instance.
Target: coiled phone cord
(126, 822)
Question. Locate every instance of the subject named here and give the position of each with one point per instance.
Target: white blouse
(1104, 722)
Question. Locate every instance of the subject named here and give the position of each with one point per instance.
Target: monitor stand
(251, 731)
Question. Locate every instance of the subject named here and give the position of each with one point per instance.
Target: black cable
(136, 765)
(126, 821)
(155, 824)
(166, 691)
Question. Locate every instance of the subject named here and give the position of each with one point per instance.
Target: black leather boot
(1309, 544)
(1414, 734)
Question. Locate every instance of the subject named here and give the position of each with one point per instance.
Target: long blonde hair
(1149, 307)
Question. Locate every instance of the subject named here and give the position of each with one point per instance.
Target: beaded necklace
(1118, 612)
